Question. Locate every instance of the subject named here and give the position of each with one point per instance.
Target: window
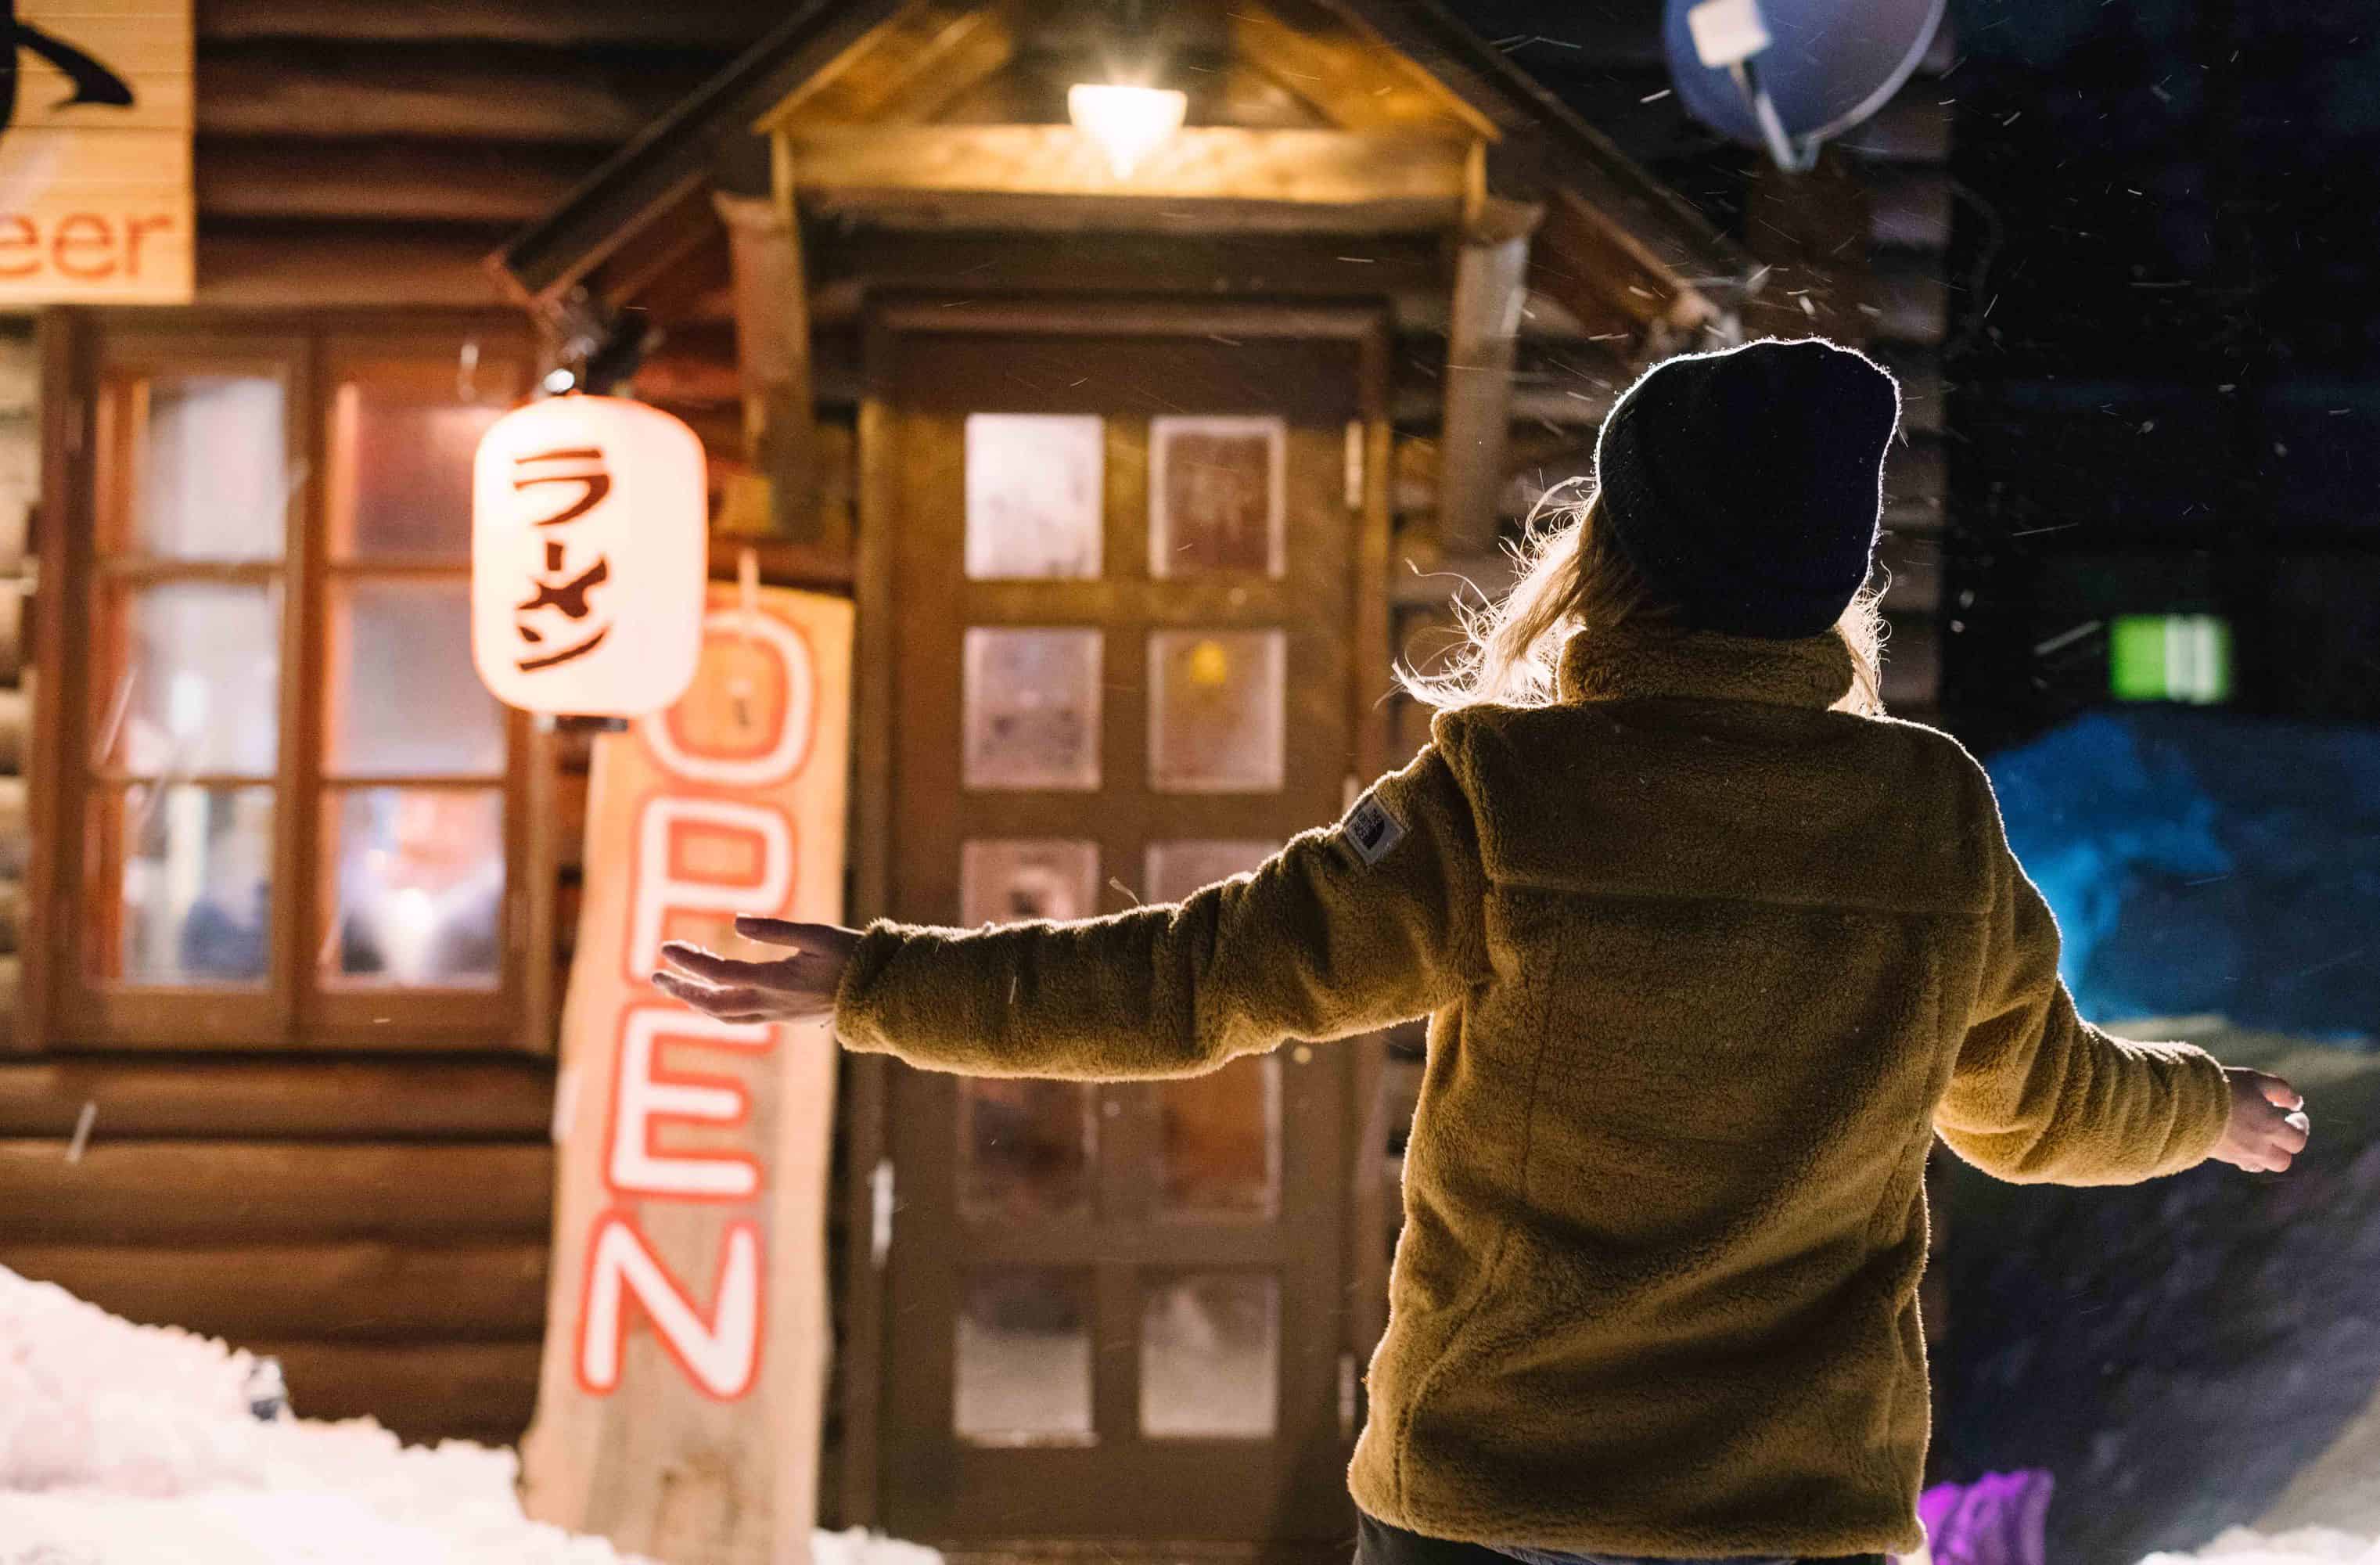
(287, 813)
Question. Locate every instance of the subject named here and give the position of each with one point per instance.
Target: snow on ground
(2305, 1545)
(136, 1445)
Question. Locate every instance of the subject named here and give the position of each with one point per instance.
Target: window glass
(405, 700)
(187, 680)
(210, 472)
(178, 885)
(416, 882)
(402, 472)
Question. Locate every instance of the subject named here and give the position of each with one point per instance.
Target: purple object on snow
(1996, 1520)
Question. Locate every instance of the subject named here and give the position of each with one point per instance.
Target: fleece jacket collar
(1617, 665)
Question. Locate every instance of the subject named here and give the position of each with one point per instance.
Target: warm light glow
(589, 553)
(1127, 122)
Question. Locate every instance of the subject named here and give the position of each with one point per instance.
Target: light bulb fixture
(1127, 122)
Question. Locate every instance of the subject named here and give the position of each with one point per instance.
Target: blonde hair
(1570, 576)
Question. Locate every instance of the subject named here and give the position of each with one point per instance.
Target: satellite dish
(1787, 74)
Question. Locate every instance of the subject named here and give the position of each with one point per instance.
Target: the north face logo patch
(1373, 830)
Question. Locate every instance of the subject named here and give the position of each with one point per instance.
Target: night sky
(2164, 351)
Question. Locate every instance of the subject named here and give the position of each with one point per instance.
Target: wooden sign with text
(95, 152)
(687, 1326)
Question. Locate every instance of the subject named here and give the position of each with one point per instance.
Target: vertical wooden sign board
(687, 1327)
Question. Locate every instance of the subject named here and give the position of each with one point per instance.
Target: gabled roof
(853, 61)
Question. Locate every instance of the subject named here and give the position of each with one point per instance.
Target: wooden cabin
(291, 902)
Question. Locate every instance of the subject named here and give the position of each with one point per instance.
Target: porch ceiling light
(1127, 122)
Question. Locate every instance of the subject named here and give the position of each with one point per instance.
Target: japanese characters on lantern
(589, 557)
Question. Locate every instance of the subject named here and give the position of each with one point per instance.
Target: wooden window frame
(89, 358)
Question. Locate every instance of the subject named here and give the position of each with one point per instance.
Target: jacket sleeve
(1325, 938)
(2040, 1096)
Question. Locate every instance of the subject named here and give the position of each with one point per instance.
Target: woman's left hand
(799, 988)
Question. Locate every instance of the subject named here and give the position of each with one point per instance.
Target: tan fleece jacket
(1708, 966)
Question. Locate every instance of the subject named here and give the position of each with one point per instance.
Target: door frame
(866, 1193)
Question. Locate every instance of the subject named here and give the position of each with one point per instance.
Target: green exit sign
(2170, 657)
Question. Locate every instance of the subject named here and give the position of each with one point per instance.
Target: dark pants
(1376, 1542)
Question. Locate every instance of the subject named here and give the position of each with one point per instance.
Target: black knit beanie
(1746, 486)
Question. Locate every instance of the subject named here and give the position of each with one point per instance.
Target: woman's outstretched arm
(1371, 921)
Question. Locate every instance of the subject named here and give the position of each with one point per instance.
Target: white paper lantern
(589, 557)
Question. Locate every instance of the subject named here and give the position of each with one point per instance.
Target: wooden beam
(1488, 288)
(1911, 206)
(142, 1097)
(844, 268)
(357, 1289)
(1909, 129)
(722, 25)
(772, 331)
(1595, 270)
(1913, 300)
(921, 59)
(436, 92)
(317, 266)
(435, 182)
(421, 1390)
(674, 156)
(198, 1192)
(1655, 227)
(1055, 178)
(1346, 76)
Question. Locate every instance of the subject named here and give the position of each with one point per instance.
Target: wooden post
(1481, 334)
(773, 341)
(681, 1393)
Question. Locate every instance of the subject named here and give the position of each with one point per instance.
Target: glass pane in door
(1034, 494)
(1024, 1357)
(1003, 880)
(1218, 1136)
(1218, 1143)
(1210, 1356)
(1032, 709)
(1216, 703)
(1217, 496)
(1026, 1148)
(1178, 868)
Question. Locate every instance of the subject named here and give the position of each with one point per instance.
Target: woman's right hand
(799, 988)
(2268, 1126)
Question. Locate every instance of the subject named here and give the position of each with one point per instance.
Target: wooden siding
(379, 1225)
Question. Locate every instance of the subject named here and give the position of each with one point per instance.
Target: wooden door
(1128, 565)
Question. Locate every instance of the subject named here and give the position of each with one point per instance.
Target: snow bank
(135, 1445)
(2306, 1546)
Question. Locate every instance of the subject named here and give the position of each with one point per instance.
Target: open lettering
(704, 846)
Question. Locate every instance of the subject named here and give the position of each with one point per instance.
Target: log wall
(381, 1225)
